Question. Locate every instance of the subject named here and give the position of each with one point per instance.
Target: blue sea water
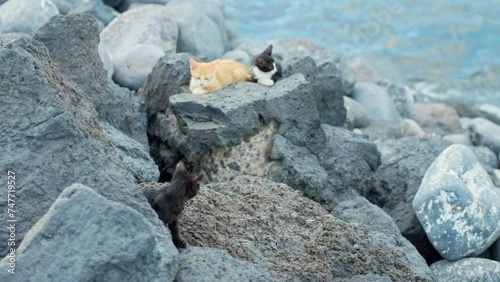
(449, 48)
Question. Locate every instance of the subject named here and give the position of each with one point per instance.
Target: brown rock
(432, 113)
(273, 226)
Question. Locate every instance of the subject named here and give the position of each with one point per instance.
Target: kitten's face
(265, 61)
(201, 73)
(191, 183)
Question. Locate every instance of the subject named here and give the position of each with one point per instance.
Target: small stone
(466, 269)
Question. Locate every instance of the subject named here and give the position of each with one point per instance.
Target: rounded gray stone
(457, 204)
(466, 269)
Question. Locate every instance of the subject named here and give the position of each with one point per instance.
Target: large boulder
(86, 237)
(26, 16)
(202, 31)
(358, 210)
(458, 205)
(137, 39)
(51, 138)
(274, 227)
(466, 269)
(72, 41)
(208, 264)
(396, 181)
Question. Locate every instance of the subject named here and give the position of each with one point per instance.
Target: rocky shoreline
(332, 174)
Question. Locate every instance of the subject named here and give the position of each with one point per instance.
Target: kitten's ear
(269, 50)
(180, 168)
(197, 179)
(193, 64)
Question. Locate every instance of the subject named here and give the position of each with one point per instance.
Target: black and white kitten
(264, 69)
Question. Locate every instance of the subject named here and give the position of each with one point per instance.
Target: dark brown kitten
(264, 69)
(169, 201)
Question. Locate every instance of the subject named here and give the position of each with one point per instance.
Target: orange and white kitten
(211, 76)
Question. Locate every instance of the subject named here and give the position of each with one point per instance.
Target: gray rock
(356, 115)
(358, 210)
(50, 129)
(377, 103)
(327, 88)
(402, 96)
(133, 155)
(137, 39)
(273, 226)
(349, 162)
(202, 30)
(72, 41)
(485, 156)
(26, 16)
(208, 264)
(86, 237)
(96, 8)
(466, 269)
(157, 89)
(297, 167)
(458, 138)
(457, 204)
(485, 133)
(409, 127)
(404, 163)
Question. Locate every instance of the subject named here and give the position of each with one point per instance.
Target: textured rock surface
(358, 210)
(356, 115)
(86, 237)
(457, 204)
(26, 16)
(466, 269)
(50, 136)
(404, 163)
(377, 103)
(72, 41)
(327, 87)
(137, 39)
(133, 155)
(272, 226)
(485, 133)
(202, 31)
(208, 264)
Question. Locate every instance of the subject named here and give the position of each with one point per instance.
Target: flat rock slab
(457, 204)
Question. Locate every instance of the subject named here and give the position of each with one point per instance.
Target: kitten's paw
(179, 243)
(266, 82)
(199, 91)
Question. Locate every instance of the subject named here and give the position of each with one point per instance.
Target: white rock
(409, 127)
(137, 39)
(26, 16)
(462, 139)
